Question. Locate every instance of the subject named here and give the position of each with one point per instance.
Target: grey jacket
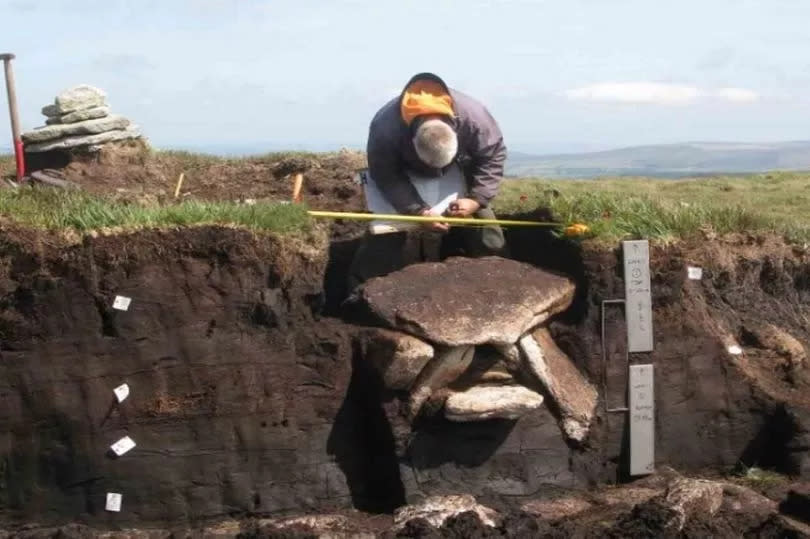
(390, 151)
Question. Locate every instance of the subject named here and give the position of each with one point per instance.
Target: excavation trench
(249, 397)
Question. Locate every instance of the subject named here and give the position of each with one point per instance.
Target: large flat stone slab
(466, 301)
(481, 403)
(79, 116)
(84, 140)
(88, 127)
(573, 395)
(397, 357)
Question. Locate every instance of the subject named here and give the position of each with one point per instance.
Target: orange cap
(424, 97)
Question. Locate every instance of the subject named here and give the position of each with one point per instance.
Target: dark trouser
(381, 254)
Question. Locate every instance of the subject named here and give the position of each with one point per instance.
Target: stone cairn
(79, 118)
(468, 339)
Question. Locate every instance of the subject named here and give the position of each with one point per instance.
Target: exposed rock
(493, 373)
(438, 373)
(84, 140)
(739, 499)
(778, 340)
(491, 402)
(497, 373)
(50, 111)
(690, 496)
(321, 526)
(79, 116)
(436, 509)
(628, 495)
(399, 358)
(556, 508)
(573, 395)
(46, 179)
(79, 97)
(89, 127)
(511, 357)
(488, 367)
(466, 301)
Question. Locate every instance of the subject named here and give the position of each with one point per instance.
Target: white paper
(121, 303)
(437, 192)
(113, 502)
(122, 446)
(735, 350)
(694, 273)
(443, 204)
(121, 392)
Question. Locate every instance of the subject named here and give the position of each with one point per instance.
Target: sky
(559, 76)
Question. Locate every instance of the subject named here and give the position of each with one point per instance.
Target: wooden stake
(298, 182)
(179, 184)
(12, 111)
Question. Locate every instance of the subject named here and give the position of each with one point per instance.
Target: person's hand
(438, 227)
(463, 207)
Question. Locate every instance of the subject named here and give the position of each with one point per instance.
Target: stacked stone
(79, 118)
(469, 338)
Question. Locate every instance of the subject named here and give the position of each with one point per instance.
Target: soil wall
(246, 400)
(235, 386)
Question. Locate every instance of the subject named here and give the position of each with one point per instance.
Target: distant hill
(666, 160)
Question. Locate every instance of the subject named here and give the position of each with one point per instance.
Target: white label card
(113, 502)
(638, 298)
(122, 446)
(121, 392)
(642, 420)
(121, 303)
(694, 273)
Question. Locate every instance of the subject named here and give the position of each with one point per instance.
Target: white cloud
(656, 93)
(737, 95)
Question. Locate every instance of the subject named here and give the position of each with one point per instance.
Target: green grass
(662, 210)
(54, 209)
(667, 210)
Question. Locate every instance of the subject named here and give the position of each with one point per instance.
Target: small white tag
(121, 303)
(113, 502)
(734, 350)
(695, 274)
(121, 392)
(122, 446)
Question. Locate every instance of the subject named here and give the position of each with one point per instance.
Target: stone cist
(432, 131)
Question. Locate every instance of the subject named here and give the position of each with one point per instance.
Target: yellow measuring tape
(572, 230)
(425, 219)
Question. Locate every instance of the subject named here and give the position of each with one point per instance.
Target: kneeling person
(431, 131)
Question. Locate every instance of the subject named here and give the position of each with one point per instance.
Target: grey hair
(436, 143)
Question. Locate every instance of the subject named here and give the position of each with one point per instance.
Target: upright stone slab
(574, 396)
(397, 357)
(442, 370)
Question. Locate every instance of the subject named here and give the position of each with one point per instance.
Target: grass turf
(667, 210)
(55, 209)
(613, 208)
